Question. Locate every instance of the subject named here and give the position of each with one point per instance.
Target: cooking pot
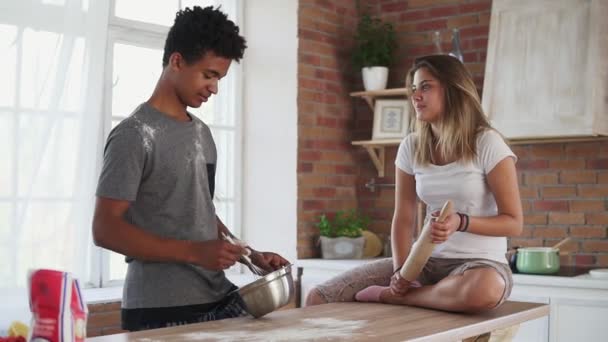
(536, 260)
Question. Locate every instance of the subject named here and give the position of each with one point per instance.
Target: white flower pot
(375, 78)
(342, 247)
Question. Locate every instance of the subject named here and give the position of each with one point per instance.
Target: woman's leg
(343, 287)
(476, 289)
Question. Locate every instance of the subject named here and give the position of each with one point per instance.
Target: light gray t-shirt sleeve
(123, 165)
(405, 154)
(492, 150)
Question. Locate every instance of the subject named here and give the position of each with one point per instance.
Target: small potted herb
(341, 237)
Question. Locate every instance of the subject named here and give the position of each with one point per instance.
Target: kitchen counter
(346, 321)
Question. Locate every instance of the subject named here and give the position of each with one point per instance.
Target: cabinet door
(546, 69)
(535, 330)
(578, 320)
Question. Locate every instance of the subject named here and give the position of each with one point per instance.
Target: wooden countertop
(345, 321)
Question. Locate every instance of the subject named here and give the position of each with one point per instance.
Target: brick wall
(327, 163)
(563, 185)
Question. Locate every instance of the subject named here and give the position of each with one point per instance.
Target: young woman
(454, 155)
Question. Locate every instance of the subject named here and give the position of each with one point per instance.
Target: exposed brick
(414, 15)
(540, 178)
(429, 3)
(443, 11)
(474, 31)
(582, 150)
(535, 219)
(429, 25)
(602, 177)
(313, 205)
(462, 21)
(588, 232)
(597, 218)
(566, 218)
(526, 242)
(477, 6)
(596, 191)
(567, 164)
(587, 206)
(484, 19)
(394, 7)
(551, 232)
(597, 164)
(584, 260)
(558, 192)
(416, 38)
(551, 205)
(578, 177)
(532, 164)
(601, 260)
(324, 192)
(595, 246)
(547, 151)
(526, 206)
(528, 192)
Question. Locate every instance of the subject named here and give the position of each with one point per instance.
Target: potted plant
(375, 42)
(341, 238)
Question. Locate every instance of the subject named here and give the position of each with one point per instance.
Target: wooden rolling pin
(423, 247)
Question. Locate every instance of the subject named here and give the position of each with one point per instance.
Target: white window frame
(149, 35)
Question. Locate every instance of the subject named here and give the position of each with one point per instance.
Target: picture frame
(391, 119)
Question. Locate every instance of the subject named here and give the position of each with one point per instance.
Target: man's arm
(111, 231)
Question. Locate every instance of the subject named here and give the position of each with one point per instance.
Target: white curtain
(52, 54)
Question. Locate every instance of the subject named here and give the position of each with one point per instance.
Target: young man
(154, 197)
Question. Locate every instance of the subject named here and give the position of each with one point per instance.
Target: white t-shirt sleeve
(405, 154)
(492, 150)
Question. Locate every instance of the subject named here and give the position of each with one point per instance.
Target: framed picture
(391, 119)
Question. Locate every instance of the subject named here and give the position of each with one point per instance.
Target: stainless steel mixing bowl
(268, 293)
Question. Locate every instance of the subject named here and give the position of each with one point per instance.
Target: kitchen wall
(564, 186)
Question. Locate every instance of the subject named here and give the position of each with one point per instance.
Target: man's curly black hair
(199, 30)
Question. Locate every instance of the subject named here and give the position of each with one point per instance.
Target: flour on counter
(310, 329)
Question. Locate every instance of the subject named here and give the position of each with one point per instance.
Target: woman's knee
(484, 292)
(315, 297)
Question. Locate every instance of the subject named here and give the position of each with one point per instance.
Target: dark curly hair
(199, 30)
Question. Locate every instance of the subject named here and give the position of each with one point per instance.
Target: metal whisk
(246, 260)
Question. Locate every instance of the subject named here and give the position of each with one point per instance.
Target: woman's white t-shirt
(466, 185)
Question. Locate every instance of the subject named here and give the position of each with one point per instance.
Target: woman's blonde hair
(463, 118)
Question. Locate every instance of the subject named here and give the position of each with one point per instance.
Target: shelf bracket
(376, 153)
(370, 101)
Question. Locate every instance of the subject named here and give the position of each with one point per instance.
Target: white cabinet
(546, 71)
(535, 330)
(579, 320)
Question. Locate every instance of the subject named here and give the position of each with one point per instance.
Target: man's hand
(215, 255)
(268, 261)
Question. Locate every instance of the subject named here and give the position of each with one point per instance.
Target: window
(59, 100)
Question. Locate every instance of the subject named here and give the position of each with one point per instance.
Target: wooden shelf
(375, 149)
(564, 139)
(370, 96)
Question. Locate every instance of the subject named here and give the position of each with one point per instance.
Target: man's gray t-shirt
(161, 166)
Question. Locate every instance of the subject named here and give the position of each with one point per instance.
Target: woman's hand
(399, 286)
(441, 231)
